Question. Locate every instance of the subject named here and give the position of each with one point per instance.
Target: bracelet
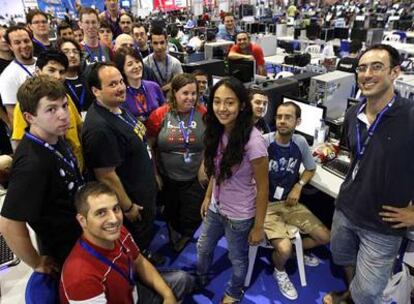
(129, 209)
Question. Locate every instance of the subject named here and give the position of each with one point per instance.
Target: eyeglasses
(375, 67)
(67, 52)
(40, 22)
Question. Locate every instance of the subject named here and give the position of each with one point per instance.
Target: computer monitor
(262, 28)
(252, 28)
(313, 31)
(359, 34)
(244, 70)
(341, 33)
(310, 118)
(327, 34)
(215, 79)
(210, 66)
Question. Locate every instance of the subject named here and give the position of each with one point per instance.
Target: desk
(403, 48)
(326, 181)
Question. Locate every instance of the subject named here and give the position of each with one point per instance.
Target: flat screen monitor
(359, 34)
(262, 28)
(313, 31)
(341, 33)
(310, 118)
(243, 70)
(209, 66)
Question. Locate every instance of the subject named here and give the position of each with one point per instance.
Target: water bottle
(321, 133)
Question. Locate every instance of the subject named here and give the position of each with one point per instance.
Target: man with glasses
(94, 50)
(39, 25)
(366, 234)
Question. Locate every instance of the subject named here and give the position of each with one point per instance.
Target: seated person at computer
(286, 153)
(350, 62)
(227, 30)
(246, 50)
(203, 89)
(174, 40)
(259, 101)
(104, 264)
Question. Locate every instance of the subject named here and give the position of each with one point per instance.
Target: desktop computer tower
(374, 36)
(304, 80)
(404, 85)
(332, 90)
(275, 89)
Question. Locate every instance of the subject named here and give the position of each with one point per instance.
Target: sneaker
(285, 285)
(311, 260)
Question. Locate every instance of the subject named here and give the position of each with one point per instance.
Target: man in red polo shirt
(244, 49)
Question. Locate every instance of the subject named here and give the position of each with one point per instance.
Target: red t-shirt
(254, 49)
(86, 279)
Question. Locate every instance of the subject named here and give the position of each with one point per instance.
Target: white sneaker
(285, 285)
(311, 260)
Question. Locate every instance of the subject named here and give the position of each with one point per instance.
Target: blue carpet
(263, 288)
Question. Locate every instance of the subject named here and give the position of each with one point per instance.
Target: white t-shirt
(11, 79)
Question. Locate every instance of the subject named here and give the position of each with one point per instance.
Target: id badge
(278, 193)
(355, 171)
(135, 295)
(149, 151)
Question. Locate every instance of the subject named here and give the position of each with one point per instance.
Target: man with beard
(125, 23)
(39, 25)
(125, 164)
(21, 68)
(284, 212)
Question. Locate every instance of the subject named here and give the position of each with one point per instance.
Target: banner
(169, 5)
(54, 7)
(99, 4)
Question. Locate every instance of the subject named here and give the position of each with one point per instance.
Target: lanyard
(361, 147)
(163, 79)
(23, 67)
(143, 110)
(91, 54)
(39, 44)
(82, 97)
(71, 162)
(128, 277)
(185, 131)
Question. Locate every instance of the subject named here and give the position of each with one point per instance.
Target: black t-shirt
(145, 53)
(41, 192)
(38, 48)
(108, 141)
(76, 88)
(386, 170)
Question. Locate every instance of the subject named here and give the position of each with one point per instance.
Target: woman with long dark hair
(176, 133)
(235, 203)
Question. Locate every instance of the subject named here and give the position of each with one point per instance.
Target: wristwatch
(301, 182)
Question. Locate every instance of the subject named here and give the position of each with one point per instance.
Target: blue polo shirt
(386, 170)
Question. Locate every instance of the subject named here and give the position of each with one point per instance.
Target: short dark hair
(228, 14)
(87, 11)
(242, 32)
(62, 41)
(199, 73)
(298, 111)
(120, 56)
(93, 79)
(105, 24)
(140, 25)
(395, 58)
(255, 90)
(49, 55)
(15, 28)
(173, 31)
(179, 81)
(30, 15)
(63, 26)
(126, 14)
(37, 87)
(91, 189)
(355, 46)
(158, 31)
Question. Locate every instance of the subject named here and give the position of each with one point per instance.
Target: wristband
(129, 209)
(301, 182)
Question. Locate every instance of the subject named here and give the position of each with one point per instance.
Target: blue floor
(263, 289)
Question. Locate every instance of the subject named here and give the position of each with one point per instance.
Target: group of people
(100, 134)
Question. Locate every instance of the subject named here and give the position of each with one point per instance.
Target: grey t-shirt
(164, 70)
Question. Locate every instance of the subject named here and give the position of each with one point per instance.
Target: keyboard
(338, 167)
(7, 257)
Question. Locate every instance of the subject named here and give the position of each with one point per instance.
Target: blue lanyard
(23, 67)
(39, 43)
(133, 94)
(362, 147)
(71, 162)
(91, 54)
(185, 132)
(128, 277)
(166, 69)
(82, 97)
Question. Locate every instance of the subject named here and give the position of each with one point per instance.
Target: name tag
(278, 193)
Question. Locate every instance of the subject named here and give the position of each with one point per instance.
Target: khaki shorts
(280, 218)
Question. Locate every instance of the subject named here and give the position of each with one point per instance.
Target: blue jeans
(236, 233)
(372, 254)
